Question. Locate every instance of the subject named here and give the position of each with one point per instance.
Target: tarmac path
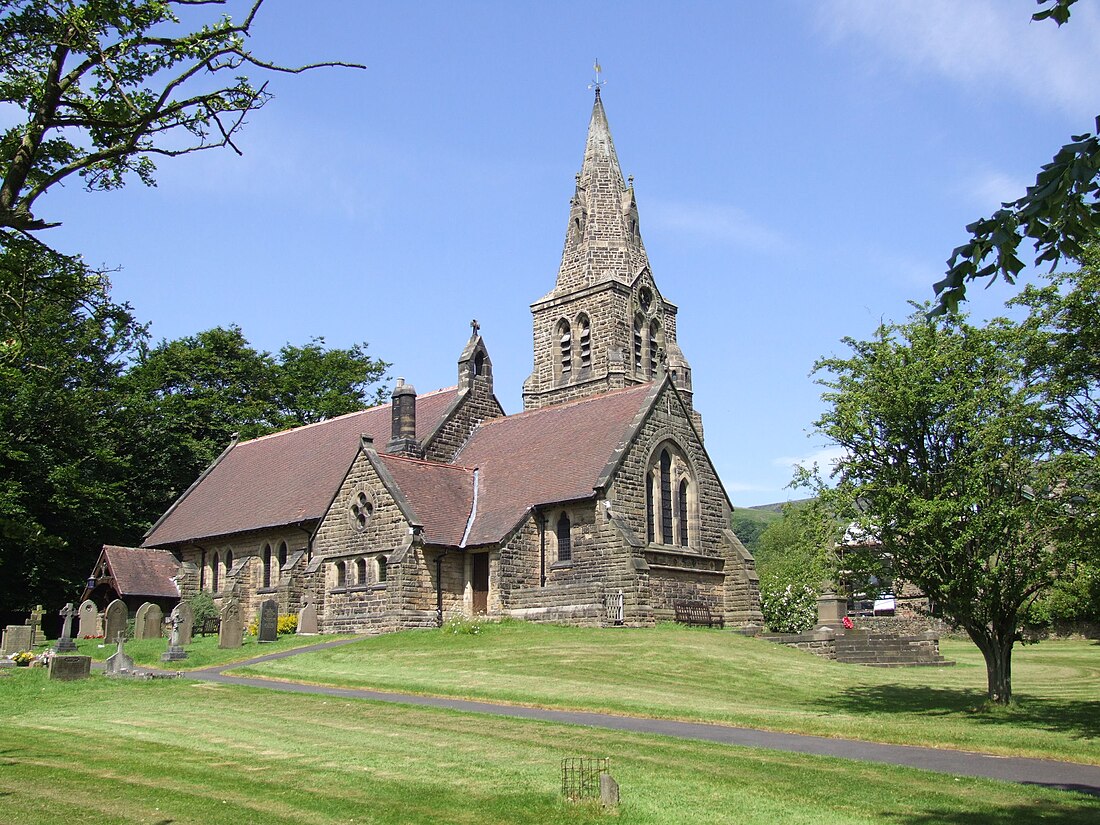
(1046, 772)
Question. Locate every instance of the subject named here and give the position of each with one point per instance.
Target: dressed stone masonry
(596, 505)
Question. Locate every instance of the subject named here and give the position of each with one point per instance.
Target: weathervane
(597, 82)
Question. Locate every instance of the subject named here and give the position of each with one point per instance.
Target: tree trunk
(997, 650)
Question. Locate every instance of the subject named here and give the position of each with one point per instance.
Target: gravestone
(149, 622)
(118, 663)
(609, 791)
(35, 621)
(66, 644)
(17, 637)
(89, 620)
(114, 620)
(187, 622)
(70, 668)
(175, 650)
(229, 634)
(269, 621)
(307, 616)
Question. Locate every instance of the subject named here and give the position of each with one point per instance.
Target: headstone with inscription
(187, 622)
(17, 637)
(66, 644)
(70, 668)
(114, 620)
(269, 621)
(307, 616)
(230, 632)
(149, 622)
(89, 620)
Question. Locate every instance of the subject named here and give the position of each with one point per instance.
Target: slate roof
(552, 454)
(140, 571)
(283, 478)
(440, 495)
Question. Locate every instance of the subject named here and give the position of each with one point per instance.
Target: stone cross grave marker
(118, 663)
(89, 619)
(187, 622)
(149, 622)
(17, 637)
(66, 644)
(307, 616)
(269, 621)
(114, 620)
(175, 650)
(35, 621)
(229, 635)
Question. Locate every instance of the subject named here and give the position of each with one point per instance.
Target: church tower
(605, 325)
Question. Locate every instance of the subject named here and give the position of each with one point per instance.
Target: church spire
(602, 240)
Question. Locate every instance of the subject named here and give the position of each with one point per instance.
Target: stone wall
(474, 403)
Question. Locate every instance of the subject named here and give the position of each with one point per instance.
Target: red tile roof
(283, 478)
(441, 496)
(141, 571)
(556, 453)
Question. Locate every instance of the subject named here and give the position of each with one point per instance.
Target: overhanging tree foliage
(948, 461)
(1059, 214)
(107, 85)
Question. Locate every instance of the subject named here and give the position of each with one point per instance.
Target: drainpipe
(439, 588)
(309, 543)
(542, 547)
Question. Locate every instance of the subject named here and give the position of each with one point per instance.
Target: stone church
(597, 504)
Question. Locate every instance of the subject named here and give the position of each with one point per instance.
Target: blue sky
(802, 169)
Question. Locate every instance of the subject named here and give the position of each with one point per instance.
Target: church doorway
(479, 580)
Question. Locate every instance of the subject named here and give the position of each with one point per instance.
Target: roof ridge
(339, 417)
(448, 464)
(588, 399)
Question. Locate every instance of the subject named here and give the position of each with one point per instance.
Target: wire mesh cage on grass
(580, 777)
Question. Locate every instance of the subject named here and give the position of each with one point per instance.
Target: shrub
(202, 605)
(789, 609)
(288, 624)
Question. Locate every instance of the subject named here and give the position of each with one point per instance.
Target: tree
(947, 461)
(189, 397)
(1060, 214)
(106, 86)
(63, 452)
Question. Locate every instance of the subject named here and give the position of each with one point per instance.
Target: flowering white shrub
(790, 609)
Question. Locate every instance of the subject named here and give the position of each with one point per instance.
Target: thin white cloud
(712, 221)
(979, 44)
(825, 458)
(990, 188)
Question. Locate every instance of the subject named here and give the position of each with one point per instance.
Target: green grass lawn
(202, 652)
(120, 751)
(711, 675)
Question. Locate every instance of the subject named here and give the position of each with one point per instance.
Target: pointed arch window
(565, 540)
(585, 331)
(215, 571)
(682, 513)
(382, 568)
(228, 562)
(565, 345)
(267, 565)
(638, 322)
(654, 346)
(282, 556)
(670, 499)
(666, 497)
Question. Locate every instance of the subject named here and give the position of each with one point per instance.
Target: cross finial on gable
(475, 326)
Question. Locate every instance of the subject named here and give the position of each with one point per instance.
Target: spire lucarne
(605, 325)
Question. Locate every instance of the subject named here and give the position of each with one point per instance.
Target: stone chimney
(403, 427)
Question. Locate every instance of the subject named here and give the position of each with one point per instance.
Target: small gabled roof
(441, 496)
(556, 453)
(141, 571)
(283, 478)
